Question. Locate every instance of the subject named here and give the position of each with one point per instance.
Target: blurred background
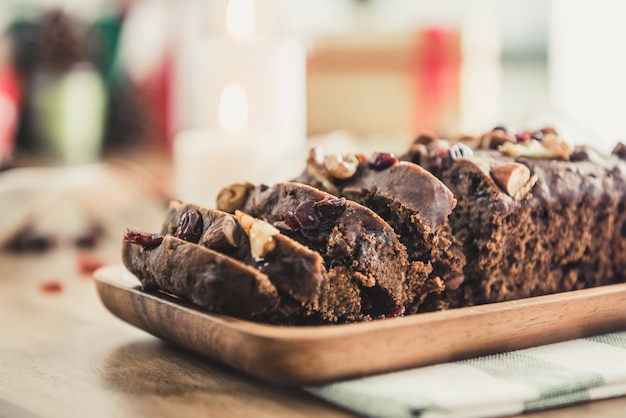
(238, 89)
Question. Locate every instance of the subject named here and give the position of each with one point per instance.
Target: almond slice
(514, 179)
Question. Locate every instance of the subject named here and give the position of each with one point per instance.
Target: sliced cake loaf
(359, 248)
(414, 202)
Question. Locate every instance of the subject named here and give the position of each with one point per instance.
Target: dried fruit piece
(514, 179)
(314, 216)
(260, 232)
(190, 227)
(88, 264)
(221, 234)
(146, 241)
(396, 313)
(51, 286)
(382, 160)
(232, 197)
(341, 166)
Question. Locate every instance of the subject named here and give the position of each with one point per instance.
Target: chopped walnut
(317, 170)
(496, 138)
(341, 166)
(425, 138)
(514, 178)
(233, 197)
(552, 146)
(260, 232)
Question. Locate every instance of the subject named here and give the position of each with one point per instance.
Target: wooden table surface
(63, 355)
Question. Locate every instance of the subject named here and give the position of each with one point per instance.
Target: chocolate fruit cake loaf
(414, 202)
(535, 215)
(360, 249)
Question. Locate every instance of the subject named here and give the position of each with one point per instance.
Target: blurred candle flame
(240, 18)
(233, 109)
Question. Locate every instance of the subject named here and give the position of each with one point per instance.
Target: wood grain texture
(311, 355)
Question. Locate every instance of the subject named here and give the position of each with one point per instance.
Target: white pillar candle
(272, 72)
(244, 95)
(206, 161)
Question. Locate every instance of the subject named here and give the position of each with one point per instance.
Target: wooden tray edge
(313, 355)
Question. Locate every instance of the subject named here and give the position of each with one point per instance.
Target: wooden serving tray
(319, 354)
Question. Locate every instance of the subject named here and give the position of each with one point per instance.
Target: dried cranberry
(306, 216)
(87, 264)
(382, 160)
(147, 241)
(523, 136)
(51, 286)
(329, 210)
(190, 227)
(398, 312)
(311, 216)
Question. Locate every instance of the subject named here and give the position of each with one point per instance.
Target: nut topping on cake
(514, 179)
(260, 232)
(425, 138)
(551, 146)
(620, 150)
(232, 197)
(460, 150)
(316, 168)
(341, 166)
(497, 137)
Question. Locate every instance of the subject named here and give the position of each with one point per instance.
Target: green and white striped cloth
(504, 384)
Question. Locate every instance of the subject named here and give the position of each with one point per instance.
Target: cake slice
(535, 215)
(199, 275)
(293, 268)
(414, 202)
(360, 250)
